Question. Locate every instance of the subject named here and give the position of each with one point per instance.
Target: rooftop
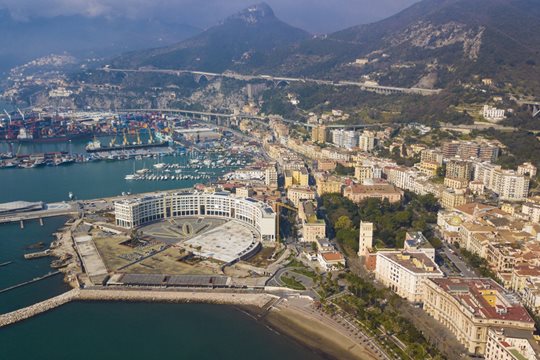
(484, 298)
(416, 262)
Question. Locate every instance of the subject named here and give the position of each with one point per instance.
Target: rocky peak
(254, 14)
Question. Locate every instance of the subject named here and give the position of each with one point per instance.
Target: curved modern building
(133, 213)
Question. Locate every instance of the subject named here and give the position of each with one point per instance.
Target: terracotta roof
(332, 256)
(468, 291)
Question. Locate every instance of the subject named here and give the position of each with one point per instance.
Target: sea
(115, 330)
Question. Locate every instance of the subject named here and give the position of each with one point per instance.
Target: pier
(51, 210)
(37, 255)
(30, 281)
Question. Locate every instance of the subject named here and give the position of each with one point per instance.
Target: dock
(37, 255)
(51, 210)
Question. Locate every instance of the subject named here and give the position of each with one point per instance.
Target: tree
(343, 223)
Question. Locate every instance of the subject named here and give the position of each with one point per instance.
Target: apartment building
(469, 307)
(404, 272)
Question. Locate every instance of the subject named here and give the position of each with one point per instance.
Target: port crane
(9, 116)
(125, 143)
(151, 138)
(280, 205)
(21, 113)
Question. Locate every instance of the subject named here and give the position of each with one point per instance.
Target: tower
(365, 240)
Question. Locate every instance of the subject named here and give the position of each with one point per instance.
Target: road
(233, 75)
(458, 262)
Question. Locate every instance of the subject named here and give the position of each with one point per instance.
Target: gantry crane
(280, 205)
(151, 138)
(125, 138)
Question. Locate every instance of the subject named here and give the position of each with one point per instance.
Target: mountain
(433, 43)
(246, 37)
(81, 36)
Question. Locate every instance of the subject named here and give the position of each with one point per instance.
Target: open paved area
(173, 231)
(226, 243)
(93, 263)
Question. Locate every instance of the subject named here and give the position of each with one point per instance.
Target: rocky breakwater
(210, 297)
(38, 308)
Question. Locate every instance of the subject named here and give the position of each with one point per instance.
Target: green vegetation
(379, 309)
(302, 269)
(391, 221)
(292, 283)
(478, 263)
(344, 170)
(523, 145)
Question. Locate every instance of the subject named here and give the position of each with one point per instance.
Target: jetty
(37, 255)
(48, 275)
(38, 308)
(136, 295)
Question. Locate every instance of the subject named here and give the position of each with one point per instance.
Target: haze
(317, 16)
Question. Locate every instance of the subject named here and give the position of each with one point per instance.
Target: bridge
(533, 106)
(281, 81)
(52, 210)
(222, 119)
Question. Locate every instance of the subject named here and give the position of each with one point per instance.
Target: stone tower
(365, 241)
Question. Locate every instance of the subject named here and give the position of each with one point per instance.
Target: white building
(332, 260)
(271, 176)
(493, 114)
(527, 169)
(367, 141)
(532, 210)
(405, 272)
(510, 345)
(508, 184)
(132, 213)
(344, 138)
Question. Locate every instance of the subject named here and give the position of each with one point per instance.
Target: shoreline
(291, 321)
(316, 335)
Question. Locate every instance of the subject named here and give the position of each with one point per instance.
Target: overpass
(532, 105)
(281, 80)
(223, 119)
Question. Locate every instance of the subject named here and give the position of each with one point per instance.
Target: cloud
(313, 15)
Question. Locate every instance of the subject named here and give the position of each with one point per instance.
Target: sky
(316, 16)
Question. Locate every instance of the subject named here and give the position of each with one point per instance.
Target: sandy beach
(318, 333)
